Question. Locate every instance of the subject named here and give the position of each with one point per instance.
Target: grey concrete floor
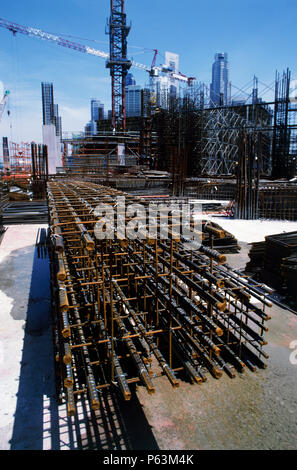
(253, 411)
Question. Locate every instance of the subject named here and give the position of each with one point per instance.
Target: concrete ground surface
(255, 410)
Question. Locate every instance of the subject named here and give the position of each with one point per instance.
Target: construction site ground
(255, 410)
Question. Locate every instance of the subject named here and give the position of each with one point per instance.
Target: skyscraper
(52, 127)
(50, 111)
(219, 88)
(133, 100)
(97, 110)
(165, 87)
(172, 62)
(130, 80)
(97, 114)
(91, 128)
(160, 91)
(47, 103)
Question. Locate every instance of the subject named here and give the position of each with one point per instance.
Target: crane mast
(118, 62)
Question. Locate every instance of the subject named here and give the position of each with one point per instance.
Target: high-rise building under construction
(50, 111)
(52, 127)
(47, 103)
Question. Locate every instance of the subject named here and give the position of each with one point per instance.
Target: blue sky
(259, 36)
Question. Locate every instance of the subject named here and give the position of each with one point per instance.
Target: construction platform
(255, 410)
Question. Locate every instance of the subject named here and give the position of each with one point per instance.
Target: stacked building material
(25, 212)
(128, 308)
(277, 248)
(289, 274)
(220, 239)
(256, 255)
(274, 261)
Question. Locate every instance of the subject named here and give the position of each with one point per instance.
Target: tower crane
(3, 103)
(118, 63)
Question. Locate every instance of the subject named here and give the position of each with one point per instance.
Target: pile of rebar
(129, 310)
(222, 240)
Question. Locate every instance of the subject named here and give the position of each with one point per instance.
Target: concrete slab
(251, 230)
(24, 327)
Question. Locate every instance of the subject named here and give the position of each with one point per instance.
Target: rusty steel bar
(119, 301)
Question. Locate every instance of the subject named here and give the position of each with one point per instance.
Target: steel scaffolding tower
(118, 62)
(219, 142)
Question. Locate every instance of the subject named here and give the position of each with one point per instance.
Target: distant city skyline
(25, 61)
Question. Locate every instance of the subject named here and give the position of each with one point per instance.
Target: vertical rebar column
(45, 157)
(33, 159)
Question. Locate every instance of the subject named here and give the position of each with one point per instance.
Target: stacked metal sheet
(277, 248)
(274, 261)
(26, 212)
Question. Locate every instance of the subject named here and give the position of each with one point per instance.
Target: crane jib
(16, 28)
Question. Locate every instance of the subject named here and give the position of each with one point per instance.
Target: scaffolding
(219, 142)
(17, 160)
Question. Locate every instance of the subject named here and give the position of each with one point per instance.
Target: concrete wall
(53, 147)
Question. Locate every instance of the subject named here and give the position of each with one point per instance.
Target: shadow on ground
(39, 422)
